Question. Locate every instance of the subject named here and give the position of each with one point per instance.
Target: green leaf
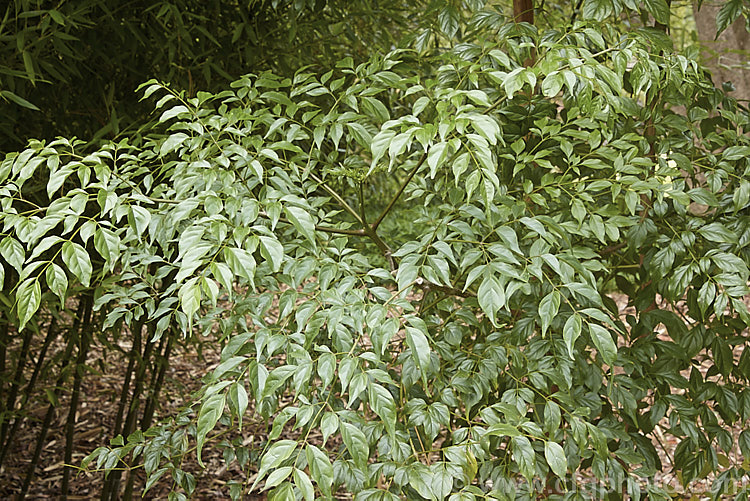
(190, 298)
(57, 179)
(508, 235)
(717, 232)
(703, 196)
(744, 443)
(523, 455)
(57, 281)
(420, 350)
(534, 225)
(223, 274)
(28, 299)
(548, 309)
(78, 262)
(173, 112)
(442, 480)
(10, 96)
(487, 127)
(277, 476)
(571, 332)
(139, 219)
(552, 84)
(107, 244)
(326, 368)
(491, 296)
(399, 144)
(578, 210)
(301, 220)
(421, 479)
(659, 9)
(56, 17)
(208, 416)
(733, 153)
(272, 251)
(706, 295)
(727, 15)
(329, 423)
(321, 469)
(436, 156)
(28, 64)
(381, 401)
(604, 343)
(723, 358)
(356, 444)
(556, 459)
(597, 10)
(512, 82)
(449, 20)
(12, 251)
(360, 134)
(238, 397)
(241, 262)
(379, 145)
(276, 454)
(503, 430)
(172, 143)
(303, 483)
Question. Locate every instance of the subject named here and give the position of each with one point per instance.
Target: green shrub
(472, 350)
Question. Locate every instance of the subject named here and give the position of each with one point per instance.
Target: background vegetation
(405, 226)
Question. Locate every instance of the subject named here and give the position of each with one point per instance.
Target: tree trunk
(725, 56)
(523, 11)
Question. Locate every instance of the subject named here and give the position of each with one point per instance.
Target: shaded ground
(95, 419)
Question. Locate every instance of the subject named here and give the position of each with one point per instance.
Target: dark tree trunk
(725, 56)
(523, 11)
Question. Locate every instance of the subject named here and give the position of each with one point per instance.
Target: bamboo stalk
(160, 368)
(111, 487)
(10, 403)
(72, 337)
(131, 419)
(51, 335)
(126, 387)
(4, 341)
(84, 338)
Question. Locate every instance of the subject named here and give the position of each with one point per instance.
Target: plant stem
(51, 335)
(326, 229)
(72, 337)
(4, 341)
(399, 192)
(161, 365)
(140, 375)
(132, 356)
(362, 202)
(368, 230)
(15, 384)
(576, 9)
(338, 199)
(83, 350)
(160, 368)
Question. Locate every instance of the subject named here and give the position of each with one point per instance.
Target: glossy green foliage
(473, 350)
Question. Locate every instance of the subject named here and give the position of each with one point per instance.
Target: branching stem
(400, 191)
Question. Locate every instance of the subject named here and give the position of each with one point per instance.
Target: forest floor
(96, 415)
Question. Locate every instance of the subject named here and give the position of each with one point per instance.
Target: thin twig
(338, 198)
(400, 190)
(327, 229)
